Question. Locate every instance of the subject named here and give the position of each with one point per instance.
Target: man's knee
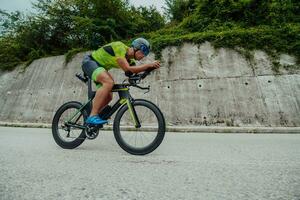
(106, 80)
(110, 96)
(109, 83)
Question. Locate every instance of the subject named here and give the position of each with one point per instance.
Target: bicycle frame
(124, 98)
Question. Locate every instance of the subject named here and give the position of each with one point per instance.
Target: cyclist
(113, 55)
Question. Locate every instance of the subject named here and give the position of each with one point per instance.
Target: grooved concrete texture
(196, 85)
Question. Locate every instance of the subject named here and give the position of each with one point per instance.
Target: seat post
(91, 94)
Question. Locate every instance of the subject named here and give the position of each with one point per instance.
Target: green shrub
(283, 39)
(8, 51)
(71, 53)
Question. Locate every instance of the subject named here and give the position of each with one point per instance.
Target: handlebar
(134, 78)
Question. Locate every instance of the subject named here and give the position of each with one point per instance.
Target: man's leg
(107, 100)
(103, 95)
(109, 97)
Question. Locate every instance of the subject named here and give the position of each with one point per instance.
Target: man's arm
(122, 62)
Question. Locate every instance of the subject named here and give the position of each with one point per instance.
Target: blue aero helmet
(141, 44)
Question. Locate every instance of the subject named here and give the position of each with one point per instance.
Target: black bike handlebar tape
(144, 75)
(128, 73)
(150, 70)
(147, 72)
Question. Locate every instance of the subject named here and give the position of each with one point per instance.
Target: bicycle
(135, 119)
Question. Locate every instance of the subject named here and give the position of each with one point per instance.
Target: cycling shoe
(95, 120)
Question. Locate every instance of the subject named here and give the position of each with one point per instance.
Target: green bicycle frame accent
(133, 114)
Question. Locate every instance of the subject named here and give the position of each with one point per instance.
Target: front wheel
(67, 125)
(142, 140)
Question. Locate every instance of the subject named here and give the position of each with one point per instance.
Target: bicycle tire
(160, 130)
(55, 126)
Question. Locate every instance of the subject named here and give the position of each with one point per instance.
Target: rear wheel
(66, 125)
(143, 140)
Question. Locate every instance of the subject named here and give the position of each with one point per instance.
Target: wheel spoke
(73, 133)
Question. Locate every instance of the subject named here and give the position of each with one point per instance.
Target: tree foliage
(59, 26)
(177, 10)
(270, 25)
(211, 14)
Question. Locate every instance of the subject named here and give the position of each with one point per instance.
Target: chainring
(92, 132)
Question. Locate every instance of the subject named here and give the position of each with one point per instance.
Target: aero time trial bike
(138, 126)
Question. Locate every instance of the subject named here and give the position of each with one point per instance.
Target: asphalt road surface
(185, 166)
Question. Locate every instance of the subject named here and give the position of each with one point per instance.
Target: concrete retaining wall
(196, 85)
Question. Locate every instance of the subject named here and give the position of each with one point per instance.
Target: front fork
(133, 114)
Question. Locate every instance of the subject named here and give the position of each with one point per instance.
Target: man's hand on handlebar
(155, 64)
(136, 78)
